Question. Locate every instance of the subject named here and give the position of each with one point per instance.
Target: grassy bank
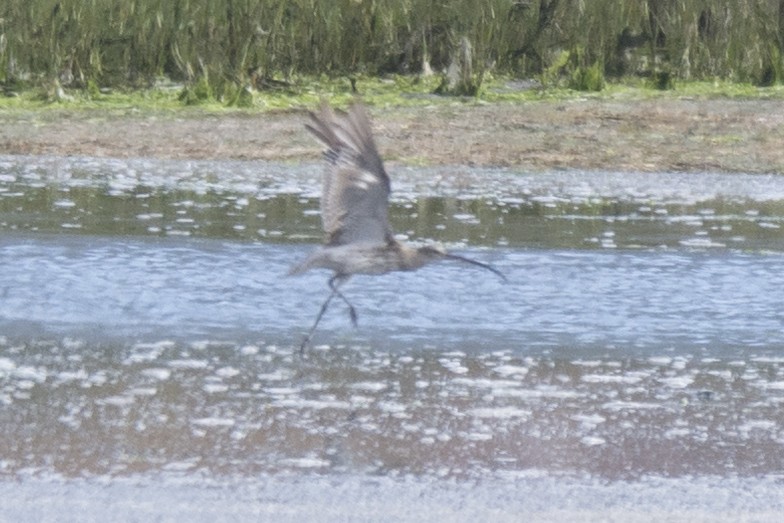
(224, 49)
(397, 91)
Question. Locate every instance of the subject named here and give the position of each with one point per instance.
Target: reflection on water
(145, 325)
(247, 201)
(230, 409)
(291, 217)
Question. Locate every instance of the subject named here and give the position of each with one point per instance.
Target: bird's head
(431, 252)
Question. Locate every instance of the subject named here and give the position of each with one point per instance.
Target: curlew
(354, 201)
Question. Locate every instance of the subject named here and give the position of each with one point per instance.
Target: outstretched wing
(356, 188)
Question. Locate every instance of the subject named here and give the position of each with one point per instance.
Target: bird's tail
(305, 265)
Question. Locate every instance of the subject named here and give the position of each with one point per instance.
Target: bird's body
(354, 202)
(366, 258)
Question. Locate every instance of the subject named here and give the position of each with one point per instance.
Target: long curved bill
(477, 263)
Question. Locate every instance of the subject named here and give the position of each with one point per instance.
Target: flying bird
(354, 202)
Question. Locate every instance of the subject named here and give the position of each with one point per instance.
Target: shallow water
(147, 332)
(255, 201)
(590, 302)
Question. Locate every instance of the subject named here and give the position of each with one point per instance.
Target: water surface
(149, 336)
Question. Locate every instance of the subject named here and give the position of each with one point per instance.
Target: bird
(358, 238)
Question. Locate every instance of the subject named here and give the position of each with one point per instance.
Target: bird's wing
(356, 188)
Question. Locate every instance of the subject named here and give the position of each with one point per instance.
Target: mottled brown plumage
(354, 202)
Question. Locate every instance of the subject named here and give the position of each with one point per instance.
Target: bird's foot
(353, 314)
(303, 345)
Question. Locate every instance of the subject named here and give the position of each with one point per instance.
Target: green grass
(398, 91)
(220, 48)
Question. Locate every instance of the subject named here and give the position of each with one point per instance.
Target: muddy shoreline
(685, 135)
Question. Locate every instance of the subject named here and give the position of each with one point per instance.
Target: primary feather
(356, 186)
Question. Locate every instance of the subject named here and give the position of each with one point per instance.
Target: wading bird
(354, 201)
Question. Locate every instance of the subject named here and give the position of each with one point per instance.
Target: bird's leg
(334, 283)
(309, 335)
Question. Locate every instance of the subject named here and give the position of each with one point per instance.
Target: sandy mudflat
(640, 135)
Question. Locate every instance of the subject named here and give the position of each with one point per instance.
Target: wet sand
(652, 135)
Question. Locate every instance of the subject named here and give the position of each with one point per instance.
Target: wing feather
(356, 187)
